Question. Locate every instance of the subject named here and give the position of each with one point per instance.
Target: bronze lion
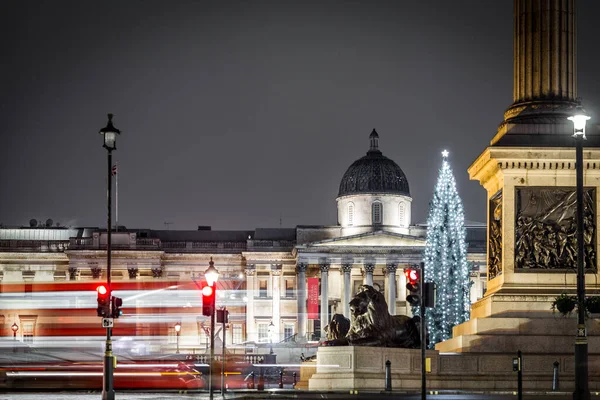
(372, 325)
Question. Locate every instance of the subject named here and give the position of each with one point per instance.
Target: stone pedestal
(363, 368)
(360, 367)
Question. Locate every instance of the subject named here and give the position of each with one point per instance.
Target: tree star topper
(445, 153)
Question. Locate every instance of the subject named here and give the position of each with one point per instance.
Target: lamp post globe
(211, 274)
(14, 328)
(110, 135)
(579, 119)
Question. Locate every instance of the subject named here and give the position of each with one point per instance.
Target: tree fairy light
(446, 258)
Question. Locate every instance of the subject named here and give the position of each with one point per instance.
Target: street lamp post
(271, 333)
(177, 329)
(110, 143)
(212, 275)
(15, 329)
(581, 343)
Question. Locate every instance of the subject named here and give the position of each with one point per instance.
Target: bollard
(388, 376)
(280, 379)
(294, 384)
(555, 377)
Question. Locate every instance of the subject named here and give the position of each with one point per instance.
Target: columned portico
(392, 295)
(301, 296)
(346, 270)
(324, 297)
(369, 268)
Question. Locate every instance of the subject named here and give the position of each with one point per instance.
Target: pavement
(286, 394)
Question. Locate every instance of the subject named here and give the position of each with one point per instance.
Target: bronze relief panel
(546, 228)
(495, 236)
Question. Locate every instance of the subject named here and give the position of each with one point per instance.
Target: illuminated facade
(49, 274)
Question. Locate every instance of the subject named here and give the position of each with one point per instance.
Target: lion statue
(338, 327)
(372, 325)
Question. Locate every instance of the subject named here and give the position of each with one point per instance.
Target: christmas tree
(446, 258)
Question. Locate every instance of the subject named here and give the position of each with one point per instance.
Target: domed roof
(374, 173)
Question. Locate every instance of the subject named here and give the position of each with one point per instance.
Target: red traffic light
(207, 291)
(412, 275)
(102, 289)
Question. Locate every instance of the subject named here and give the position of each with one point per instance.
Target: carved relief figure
(495, 237)
(546, 228)
(372, 325)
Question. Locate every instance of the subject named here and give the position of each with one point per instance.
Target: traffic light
(429, 294)
(117, 302)
(103, 301)
(208, 300)
(413, 286)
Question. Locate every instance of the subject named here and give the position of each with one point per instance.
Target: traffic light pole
(108, 392)
(423, 332)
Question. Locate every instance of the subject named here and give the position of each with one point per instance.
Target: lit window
(377, 211)
(263, 332)
(350, 213)
(401, 214)
(288, 331)
(289, 288)
(262, 288)
(237, 334)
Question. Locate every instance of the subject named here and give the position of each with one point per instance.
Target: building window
(203, 336)
(377, 211)
(237, 336)
(350, 213)
(263, 332)
(28, 327)
(289, 288)
(401, 216)
(288, 331)
(262, 288)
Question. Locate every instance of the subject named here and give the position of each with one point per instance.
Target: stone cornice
(99, 254)
(33, 256)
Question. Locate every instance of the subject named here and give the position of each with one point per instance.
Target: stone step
(557, 326)
(511, 343)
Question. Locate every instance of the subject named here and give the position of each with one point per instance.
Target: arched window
(401, 216)
(350, 213)
(377, 212)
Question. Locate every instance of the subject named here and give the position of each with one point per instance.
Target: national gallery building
(279, 284)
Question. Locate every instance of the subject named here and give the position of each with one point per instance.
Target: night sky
(234, 114)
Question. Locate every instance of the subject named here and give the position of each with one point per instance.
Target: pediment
(372, 239)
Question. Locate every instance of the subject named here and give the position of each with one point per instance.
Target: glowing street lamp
(581, 343)
(14, 328)
(212, 276)
(177, 329)
(110, 143)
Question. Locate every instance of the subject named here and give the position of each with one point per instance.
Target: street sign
(107, 322)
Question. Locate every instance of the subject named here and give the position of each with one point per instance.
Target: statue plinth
(363, 367)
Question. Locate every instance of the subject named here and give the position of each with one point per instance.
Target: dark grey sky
(234, 113)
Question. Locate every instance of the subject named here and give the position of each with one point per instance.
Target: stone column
(324, 298)
(369, 268)
(276, 282)
(251, 334)
(301, 296)
(391, 300)
(347, 271)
